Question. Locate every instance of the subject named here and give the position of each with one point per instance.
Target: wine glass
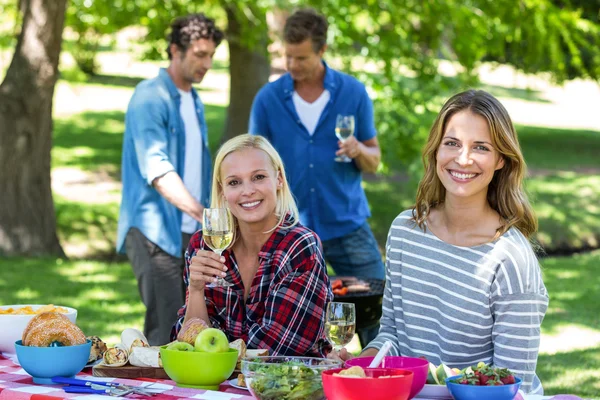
(217, 232)
(340, 323)
(344, 128)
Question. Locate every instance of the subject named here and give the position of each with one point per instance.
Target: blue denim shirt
(329, 194)
(154, 144)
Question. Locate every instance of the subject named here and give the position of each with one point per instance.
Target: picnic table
(16, 384)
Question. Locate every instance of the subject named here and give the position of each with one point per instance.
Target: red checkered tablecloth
(16, 384)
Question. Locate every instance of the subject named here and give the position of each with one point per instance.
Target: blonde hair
(286, 205)
(505, 193)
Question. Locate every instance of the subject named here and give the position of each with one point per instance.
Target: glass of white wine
(217, 232)
(340, 323)
(344, 128)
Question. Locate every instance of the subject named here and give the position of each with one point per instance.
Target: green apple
(180, 346)
(211, 340)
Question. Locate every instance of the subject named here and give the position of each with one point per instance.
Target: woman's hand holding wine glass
(205, 267)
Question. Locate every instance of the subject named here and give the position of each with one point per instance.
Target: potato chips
(28, 310)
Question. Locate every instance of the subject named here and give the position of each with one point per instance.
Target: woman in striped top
(463, 282)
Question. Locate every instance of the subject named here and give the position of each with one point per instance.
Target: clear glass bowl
(286, 378)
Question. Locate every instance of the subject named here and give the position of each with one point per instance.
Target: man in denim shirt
(166, 172)
(298, 113)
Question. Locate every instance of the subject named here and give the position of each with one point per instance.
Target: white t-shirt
(310, 113)
(193, 156)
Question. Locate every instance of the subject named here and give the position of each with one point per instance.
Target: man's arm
(363, 146)
(150, 135)
(367, 154)
(172, 188)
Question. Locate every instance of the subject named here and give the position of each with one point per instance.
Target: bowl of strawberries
(484, 382)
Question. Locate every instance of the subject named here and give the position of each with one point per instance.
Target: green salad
(289, 380)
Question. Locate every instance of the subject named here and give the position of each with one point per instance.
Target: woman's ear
(279, 180)
(500, 163)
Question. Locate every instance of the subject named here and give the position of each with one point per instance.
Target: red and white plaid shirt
(285, 310)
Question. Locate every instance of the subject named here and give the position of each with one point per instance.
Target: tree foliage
(408, 40)
(404, 40)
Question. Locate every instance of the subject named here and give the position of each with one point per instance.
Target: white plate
(434, 392)
(233, 382)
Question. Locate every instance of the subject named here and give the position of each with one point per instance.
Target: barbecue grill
(367, 304)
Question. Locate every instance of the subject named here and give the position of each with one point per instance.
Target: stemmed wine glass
(344, 128)
(217, 232)
(340, 323)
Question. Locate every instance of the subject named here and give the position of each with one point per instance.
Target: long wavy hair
(286, 209)
(505, 192)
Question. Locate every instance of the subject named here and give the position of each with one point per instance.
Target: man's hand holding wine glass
(349, 148)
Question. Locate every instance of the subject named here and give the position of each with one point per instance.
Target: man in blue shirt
(166, 172)
(298, 113)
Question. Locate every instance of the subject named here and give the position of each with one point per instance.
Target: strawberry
(483, 379)
(486, 374)
(494, 382)
(506, 376)
(474, 380)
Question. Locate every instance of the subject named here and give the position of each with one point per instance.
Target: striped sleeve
(518, 303)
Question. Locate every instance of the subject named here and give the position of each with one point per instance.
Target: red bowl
(418, 366)
(373, 387)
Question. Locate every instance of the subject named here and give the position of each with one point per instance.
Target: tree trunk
(249, 67)
(27, 217)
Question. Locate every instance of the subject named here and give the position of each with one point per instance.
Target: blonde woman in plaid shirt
(280, 285)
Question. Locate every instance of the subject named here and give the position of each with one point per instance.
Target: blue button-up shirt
(154, 144)
(329, 194)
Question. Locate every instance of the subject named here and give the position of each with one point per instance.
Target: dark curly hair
(306, 24)
(192, 27)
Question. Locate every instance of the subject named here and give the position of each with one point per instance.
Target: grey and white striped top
(461, 305)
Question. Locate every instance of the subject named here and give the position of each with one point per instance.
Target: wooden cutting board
(129, 372)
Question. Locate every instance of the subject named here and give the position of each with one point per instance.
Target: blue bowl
(473, 392)
(43, 363)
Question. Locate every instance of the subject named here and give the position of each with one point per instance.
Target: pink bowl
(418, 366)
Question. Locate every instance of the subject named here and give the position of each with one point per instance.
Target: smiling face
(249, 186)
(192, 65)
(301, 60)
(466, 159)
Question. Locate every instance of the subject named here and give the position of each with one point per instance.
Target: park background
(61, 191)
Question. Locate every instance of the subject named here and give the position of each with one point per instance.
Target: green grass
(91, 225)
(568, 208)
(92, 141)
(574, 372)
(573, 284)
(559, 149)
